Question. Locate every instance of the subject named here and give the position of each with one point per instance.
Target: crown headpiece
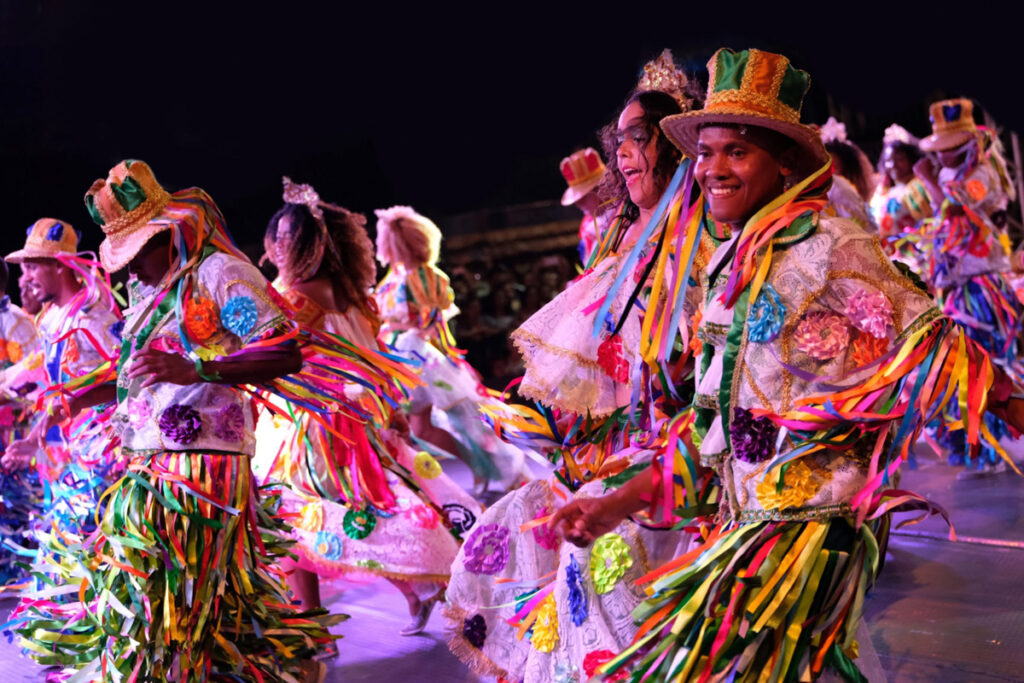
(663, 75)
(898, 134)
(296, 193)
(833, 131)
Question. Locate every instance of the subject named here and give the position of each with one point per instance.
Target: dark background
(448, 110)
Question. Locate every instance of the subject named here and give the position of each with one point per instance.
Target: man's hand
(583, 520)
(156, 366)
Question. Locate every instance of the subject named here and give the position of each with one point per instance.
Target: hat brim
(578, 192)
(116, 252)
(23, 255)
(683, 130)
(938, 142)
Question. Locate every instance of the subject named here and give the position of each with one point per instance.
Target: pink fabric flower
(870, 312)
(139, 412)
(822, 335)
(423, 516)
(545, 537)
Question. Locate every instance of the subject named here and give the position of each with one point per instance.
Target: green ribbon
(126, 344)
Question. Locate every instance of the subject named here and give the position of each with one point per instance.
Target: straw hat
(124, 205)
(952, 124)
(47, 238)
(750, 87)
(583, 171)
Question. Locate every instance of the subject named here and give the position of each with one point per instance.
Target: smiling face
(897, 164)
(637, 154)
(43, 277)
(740, 172)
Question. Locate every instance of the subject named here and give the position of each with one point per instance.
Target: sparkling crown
(663, 75)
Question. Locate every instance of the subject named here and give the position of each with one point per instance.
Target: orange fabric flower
(14, 351)
(866, 348)
(202, 319)
(976, 189)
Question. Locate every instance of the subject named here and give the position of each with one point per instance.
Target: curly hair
(853, 165)
(656, 106)
(407, 238)
(913, 153)
(340, 249)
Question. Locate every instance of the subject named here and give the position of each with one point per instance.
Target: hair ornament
(663, 75)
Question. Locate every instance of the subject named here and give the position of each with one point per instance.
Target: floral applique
(577, 592)
(546, 538)
(426, 466)
(595, 659)
(230, 424)
(460, 518)
(545, 628)
(822, 335)
(239, 315)
(976, 189)
(329, 546)
(139, 413)
(181, 423)
(423, 516)
(865, 348)
(753, 438)
(766, 317)
(14, 352)
(799, 486)
(609, 561)
(201, 319)
(359, 524)
(474, 630)
(611, 360)
(870, 312)
(486, 551)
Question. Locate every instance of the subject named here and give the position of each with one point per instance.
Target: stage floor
(942, 611)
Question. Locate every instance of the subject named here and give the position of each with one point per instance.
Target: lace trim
(521, 338)
(805, 514)
(472, 657)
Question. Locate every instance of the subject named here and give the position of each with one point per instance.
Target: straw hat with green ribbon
(750, 87)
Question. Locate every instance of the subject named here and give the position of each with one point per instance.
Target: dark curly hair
(913, 152)
(346, 255)
(656, 105)
(853, 165)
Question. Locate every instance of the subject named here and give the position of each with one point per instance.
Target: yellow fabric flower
(545, 629)
(34, 361)
(799, 486)
(426, 466)
(14, 351)
(311, 517)
(211, 352)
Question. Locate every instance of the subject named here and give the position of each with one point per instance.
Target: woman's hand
(583, 520)
(156, 366)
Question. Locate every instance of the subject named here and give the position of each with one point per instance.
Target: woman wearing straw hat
(820, 362)
(521, 604)
(969, 267)
(364, 501)
(177, 583)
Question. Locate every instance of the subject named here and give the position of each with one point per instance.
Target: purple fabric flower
(230, 424)
(486, 551)
(577, 593)
(181, 423)
(474, 630)
(753, 438)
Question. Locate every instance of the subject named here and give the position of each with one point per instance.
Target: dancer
(176, 585)
(521, 605)
(416, 304)
(901, 201)
(79, 330)
(583, 172)
(820, 364)
(364, 501)
(853, 181)
(970, 266)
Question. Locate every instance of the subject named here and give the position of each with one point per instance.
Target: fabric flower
(474, 630)
(71, 354)
(359, 524)
(866, 348)
(577, 592)
(546, 538)
(239, 315)
(609, 561)
(822, 335)
(181, 423)
(423, 516)
(870, 312)
(117, 329)
(798, 487)
(766, 316)
(201, 318)
(460, 518)
(976, 189)
(329, 545)
(753, 438)
(426, 466)
(230, 425)
(14, 352)
(594, 659)
(56, 232)
(610, 359)
(487, 549)
(545, 628)
(139, 412)
(565, 673)
(311, 516)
